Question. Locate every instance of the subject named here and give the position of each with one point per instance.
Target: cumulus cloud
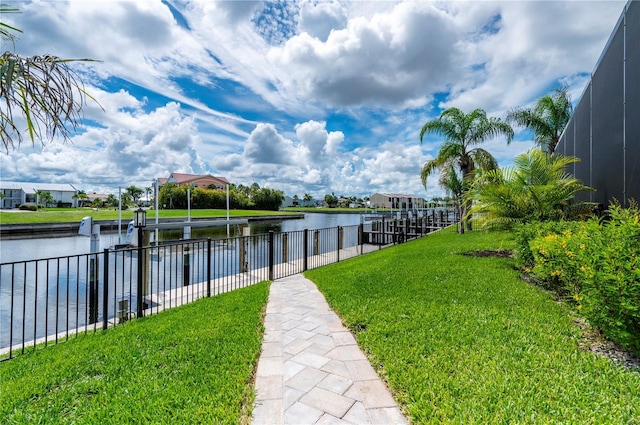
(313, 163)
(532, 46)
(311, 96)
(318, 19)
(319, 143)
(266, 146)
(132, 148)
(390, 59)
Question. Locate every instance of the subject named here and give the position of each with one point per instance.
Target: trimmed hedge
(595, 264)
(28, 206)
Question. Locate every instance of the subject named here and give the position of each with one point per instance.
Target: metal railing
(46, 301)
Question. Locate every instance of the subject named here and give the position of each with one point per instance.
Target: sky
(303, 96)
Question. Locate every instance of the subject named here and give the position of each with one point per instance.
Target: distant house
(17, 193)
(287, 202)
(202, 181)
(92, 197)
(396, 201)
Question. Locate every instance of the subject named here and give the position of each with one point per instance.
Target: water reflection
(29, 249)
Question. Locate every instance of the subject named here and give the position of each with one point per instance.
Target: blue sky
(307, 97)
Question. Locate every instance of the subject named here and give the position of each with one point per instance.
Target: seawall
(38, 230)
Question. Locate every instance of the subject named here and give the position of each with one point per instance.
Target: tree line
(251, 197)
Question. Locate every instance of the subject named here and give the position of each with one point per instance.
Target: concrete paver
(311, 371)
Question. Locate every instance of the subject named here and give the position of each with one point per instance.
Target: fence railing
(46, 301)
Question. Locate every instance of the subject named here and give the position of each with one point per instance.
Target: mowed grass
(193, 364)
(66, 215)
(463, 340)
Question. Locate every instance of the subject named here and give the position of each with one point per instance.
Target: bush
(595, 265)
(611, 292)
(28, 206)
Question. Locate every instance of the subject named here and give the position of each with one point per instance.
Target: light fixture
(140, 218)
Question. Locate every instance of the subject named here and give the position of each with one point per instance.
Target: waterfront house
(17, 193)
(206, 181)
(396, 201)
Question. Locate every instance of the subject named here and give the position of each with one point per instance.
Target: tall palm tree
(44, 90)
(462, 132)
(537, 187)
(547, 119)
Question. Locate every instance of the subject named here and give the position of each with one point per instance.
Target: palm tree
(462, 132)
(547, 119)
(453, 184)
(111, 200)
(81, 197)
(307, 198)
(43, 89)
(134, 192)
(537, 187)
(44, 197)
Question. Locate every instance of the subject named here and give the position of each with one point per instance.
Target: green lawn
(459, 339)
(463, 340)
(64, 215)
(193, 364)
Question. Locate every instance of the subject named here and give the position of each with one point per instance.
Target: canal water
(59, 296)
(30, 249)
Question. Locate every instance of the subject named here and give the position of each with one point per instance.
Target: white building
(16, 193)
(396, 201)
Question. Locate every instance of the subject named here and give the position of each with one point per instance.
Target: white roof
(33, 187)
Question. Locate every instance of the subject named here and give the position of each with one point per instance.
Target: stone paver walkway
(311, 371)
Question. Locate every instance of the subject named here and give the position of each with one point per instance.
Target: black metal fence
(46, 301)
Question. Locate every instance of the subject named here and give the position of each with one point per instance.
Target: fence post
(93, 288)
(139, 282)
(208, 267)
(395, 231)
(305, 250)
(339, 244)
(186, 265)
(382, 235)
(361, 237)
(316, 242)
(105, 290)
(285, 247)
(270, 254)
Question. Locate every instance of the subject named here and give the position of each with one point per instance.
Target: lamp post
(140, 222)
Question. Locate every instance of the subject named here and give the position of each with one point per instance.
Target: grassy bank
(66, 215)
(462, 339)
(188, 365)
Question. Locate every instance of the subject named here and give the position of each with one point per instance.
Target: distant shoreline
(37, 230)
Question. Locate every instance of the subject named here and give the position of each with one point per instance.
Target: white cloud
(319, 143)
(312, 163)
(297, 69)
(266, 146)
(535, 45)
(133, 148)
(319, 18)
(391, 59)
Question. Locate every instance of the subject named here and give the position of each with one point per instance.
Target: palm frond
(547, 119)
(536, 187)
(45, 91)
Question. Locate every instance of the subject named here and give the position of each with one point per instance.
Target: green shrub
(595, 265)
(28, 206)
(611, 284)
(525, 233)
